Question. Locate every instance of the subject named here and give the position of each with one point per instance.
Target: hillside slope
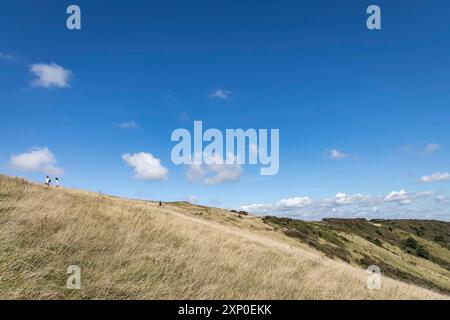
(414, 251)
(129, 249)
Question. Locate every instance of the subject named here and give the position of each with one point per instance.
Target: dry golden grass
(129, 249)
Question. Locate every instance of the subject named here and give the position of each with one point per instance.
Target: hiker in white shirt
(56, 182)
(47, 181)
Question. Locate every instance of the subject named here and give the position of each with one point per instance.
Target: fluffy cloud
(258, 208)
(295, 202)
(215, 171)
(220, 94)
(36, 160)
(222, 173)
(435, 177)
(50, 75)
(146, 166)
(344, 199)
(284, 205)
(195, 172)
(401, 196)
(432, 147)
(128, 125)
(394, 204)
(335, 154)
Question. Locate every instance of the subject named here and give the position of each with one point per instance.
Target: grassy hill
(129, 249)
(414, 251)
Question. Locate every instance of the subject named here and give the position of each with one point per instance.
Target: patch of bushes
(393, 272)
(422, 252)
(326, 236)
(311, 234)
(365, 229)
(411, 243)
(432, 230)
(419, 250)
(378, 242)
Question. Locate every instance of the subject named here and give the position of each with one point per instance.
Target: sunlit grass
(137, 250)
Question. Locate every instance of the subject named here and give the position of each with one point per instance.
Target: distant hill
(130, 249)
(414, 251)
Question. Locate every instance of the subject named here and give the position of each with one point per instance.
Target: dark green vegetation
(436, 231)
(323, 239)
(415, 251)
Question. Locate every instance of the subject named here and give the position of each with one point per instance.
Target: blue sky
(137, 71)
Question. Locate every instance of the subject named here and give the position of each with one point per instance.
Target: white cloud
(36, 160)
(146, 166)
(404, 197)
(335, 154)
(357, 205)
(257, 208)
(435, 177)
(7, 57)
(50, 75)
(401, 196)
(220, 94)
(284, 205)
(215, 171)
(195, 172)
(128, 125)
(431, 148)
(223, 172)
(295, 202)
(344, 199)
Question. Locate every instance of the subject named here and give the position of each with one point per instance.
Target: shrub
(422, 252)
(378, 242)
(411, 243)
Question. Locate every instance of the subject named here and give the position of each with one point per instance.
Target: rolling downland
(134, 249)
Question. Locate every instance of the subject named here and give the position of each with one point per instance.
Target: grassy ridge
(403, 249)
(129, 249)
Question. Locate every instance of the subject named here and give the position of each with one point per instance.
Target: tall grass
(130, 249)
